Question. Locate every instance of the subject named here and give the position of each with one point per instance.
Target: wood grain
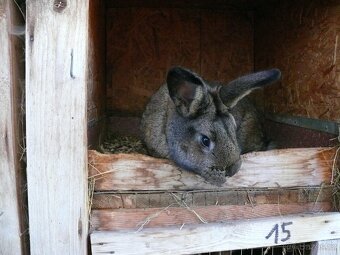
(231, 235)
(56, 75)
(10, 178)
(110, 220)
(226, 44)
(96, 72)
(149, 42)
(276, 168)
(143, 43)
(245, 196)
(302, 39)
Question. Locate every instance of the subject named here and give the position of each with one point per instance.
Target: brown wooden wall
(299, 37)
(142, 43)
(96, 104)
(302, 39)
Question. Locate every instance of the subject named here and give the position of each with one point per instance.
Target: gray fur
(187, 109)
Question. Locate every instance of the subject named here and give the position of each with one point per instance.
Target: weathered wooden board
(56, 76)
(276, 168)
(10, 218)
(246, 196)
(302, 39)
(143, 43)
(109, 220)
(211, 237)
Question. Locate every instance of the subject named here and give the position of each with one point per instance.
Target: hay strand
(152, 216)
(335, 181)
(182, 203)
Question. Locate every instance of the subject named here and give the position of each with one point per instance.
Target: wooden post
(56, 72)
(10, 217)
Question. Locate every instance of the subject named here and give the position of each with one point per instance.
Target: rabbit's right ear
(187, 90)
(232, 93)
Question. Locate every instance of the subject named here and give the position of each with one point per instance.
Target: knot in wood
(59, 5)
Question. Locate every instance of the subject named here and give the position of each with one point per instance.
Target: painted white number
(285, 234)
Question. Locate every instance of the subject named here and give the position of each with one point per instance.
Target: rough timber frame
(56, 72)
(56, 47)
(10, 217)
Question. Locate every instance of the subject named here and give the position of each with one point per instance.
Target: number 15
(275, 230)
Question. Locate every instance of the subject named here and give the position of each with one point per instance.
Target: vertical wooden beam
(56, 72)
(10, 224)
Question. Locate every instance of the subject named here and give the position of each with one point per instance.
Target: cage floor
(115, 143)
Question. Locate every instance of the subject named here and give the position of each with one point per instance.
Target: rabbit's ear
(187, 90)
(234, 91)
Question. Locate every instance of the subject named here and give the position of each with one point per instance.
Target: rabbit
(204, 127)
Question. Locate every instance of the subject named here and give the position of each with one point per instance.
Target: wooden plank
(56, 76)
(211, 237)
(276, 168)
(328, 247)
(245, 196)
(10, 218)
(110, 220)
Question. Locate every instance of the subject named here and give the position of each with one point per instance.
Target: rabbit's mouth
(217, 175)
(228, 171)
(233, 169)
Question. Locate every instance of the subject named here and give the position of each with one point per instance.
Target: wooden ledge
(232, 235)
(134, 219)
(266, 169)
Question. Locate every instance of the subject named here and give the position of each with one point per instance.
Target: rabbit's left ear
(234, 91)
(187, 90)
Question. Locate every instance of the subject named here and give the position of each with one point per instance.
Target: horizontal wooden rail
(266, 169)
(196, 198)
(135, 219)
(211, 237)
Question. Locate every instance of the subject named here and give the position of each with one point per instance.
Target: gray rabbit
(205, 127)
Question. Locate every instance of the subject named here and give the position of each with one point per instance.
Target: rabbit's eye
(205, 141)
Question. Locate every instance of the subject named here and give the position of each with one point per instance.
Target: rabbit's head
(201, 134)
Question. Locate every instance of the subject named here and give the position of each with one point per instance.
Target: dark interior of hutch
(133, 44)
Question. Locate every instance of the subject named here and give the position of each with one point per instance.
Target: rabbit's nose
(233, 169)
